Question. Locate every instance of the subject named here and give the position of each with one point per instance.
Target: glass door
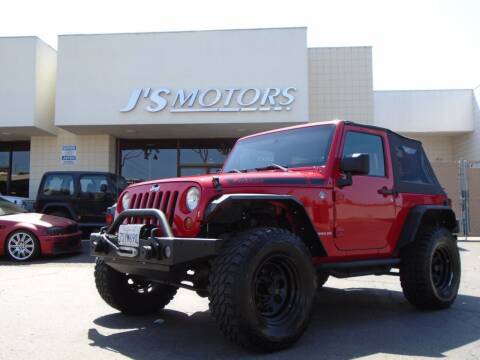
(4, 171)
(14, 168)
(20, 173)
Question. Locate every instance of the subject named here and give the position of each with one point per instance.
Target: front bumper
(153, 253)
(61, 244)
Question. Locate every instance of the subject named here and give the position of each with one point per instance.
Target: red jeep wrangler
(290, 208)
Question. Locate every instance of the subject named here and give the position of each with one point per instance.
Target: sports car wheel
(22, 246)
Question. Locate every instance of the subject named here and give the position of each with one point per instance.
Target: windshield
(308, 146)
(8, 208)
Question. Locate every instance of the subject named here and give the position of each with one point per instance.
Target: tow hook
(102, 244)
(152, 250)
(147, 252)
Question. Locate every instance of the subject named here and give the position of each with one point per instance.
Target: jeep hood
(254, 178)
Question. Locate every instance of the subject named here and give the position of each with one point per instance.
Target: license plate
(129, 235)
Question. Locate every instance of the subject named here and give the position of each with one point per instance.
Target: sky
(417, 44)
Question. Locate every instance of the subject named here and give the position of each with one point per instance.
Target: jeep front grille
(165, 201)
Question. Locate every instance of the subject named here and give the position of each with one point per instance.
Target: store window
(202, 156)
(141, 160)
(14, 168)
(4, 171)
(20, 173)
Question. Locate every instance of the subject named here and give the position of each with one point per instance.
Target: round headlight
(126, 201)
(193, 198)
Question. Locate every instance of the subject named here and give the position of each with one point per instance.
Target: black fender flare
(310, 236)
(429, 214)
(59, 205)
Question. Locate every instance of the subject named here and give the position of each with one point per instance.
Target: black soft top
(412, 171)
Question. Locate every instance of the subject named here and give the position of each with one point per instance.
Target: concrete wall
(45, 86)
(17, 85)
(94, 153)
(27, 87)
(340, 84)
(98, 73)
(467, 146)
(425, 111)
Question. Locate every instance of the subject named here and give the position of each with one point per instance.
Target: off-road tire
(115, 290)
(322, 278)
(241, 299)
(426, 283)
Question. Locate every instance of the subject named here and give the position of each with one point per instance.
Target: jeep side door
(95, 194)
(365, 210)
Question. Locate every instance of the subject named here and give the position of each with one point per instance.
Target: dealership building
(154, 105)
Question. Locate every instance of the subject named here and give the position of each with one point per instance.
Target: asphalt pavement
(50, 309)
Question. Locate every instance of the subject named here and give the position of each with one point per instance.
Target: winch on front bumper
(152, 252)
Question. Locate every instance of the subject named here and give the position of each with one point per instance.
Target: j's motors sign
(155, 100)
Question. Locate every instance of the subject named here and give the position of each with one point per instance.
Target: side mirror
(355, 164)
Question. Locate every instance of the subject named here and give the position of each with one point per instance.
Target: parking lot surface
(50, 309)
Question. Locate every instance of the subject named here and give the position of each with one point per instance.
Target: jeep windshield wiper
(272, 166)
(234, 171)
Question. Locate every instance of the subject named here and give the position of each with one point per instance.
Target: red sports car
(23, 235)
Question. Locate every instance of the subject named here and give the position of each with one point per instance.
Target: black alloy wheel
(140, 286)
(276, 286)
(261, 288)
(430, 269)
(442, 270)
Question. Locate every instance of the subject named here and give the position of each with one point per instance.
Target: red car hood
(38, 219)
(249, 178)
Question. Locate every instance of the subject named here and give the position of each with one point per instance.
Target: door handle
(386, 191)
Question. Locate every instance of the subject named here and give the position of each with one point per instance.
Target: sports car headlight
(55, 230)
(193, 198)
(126, 200)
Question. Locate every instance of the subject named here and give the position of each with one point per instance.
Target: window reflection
(149, 163)
(20, 173)
(4, 167)
(58, 185)
(156, 159)
(14, 168)
(202, 156)
(190, 171)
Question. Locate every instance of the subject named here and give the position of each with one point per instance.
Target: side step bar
(359, 267)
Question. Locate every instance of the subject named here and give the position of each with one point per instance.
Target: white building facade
(153, 105)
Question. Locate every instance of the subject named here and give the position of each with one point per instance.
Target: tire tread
(415, 267)
(224, 269)
(115, 293)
